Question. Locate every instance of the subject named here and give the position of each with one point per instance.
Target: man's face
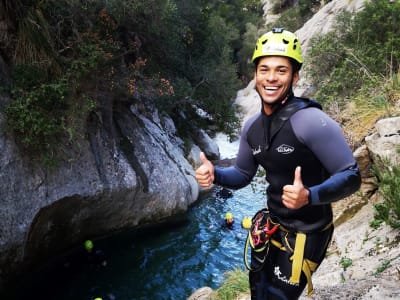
(273, 77)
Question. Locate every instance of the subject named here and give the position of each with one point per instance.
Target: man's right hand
(205, 173)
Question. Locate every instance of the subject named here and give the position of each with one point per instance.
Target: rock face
(139, 175)
(385, 140)
(362, 261)
(373, 257)
(324, 19)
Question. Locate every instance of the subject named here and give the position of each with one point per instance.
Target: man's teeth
(271, 88)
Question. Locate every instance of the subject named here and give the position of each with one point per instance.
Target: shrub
(388, 181)
(184, 51)
(235, 283)
(362, 49)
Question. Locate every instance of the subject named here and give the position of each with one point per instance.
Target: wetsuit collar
(274, 122)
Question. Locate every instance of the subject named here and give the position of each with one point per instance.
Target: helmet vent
(263, 42)
(294, 44)
(285, 41)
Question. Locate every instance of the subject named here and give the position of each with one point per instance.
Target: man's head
(278, 59)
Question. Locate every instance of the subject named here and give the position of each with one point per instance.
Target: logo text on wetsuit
(285, 149)
(257, 150)
(282, 276)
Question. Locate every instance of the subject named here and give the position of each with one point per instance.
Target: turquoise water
(162, 263)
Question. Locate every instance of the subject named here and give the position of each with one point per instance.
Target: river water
(166, 263)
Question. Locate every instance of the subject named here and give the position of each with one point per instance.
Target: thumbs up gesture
(205, 173)
(295, 195)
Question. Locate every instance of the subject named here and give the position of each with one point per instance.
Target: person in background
(228, 221)
(224, 193)
(308, 166)
(94, 256)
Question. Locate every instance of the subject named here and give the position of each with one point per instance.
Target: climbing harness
(259, 234)
(260, 237)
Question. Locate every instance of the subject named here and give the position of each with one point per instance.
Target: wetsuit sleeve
(324, 137)
(242, 173)
(336, 187)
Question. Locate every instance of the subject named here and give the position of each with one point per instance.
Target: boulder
(385, 142)
(134, 177)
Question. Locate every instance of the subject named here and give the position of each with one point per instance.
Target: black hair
(296, 66)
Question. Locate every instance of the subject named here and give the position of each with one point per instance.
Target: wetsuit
(298, 133)
(225, 224)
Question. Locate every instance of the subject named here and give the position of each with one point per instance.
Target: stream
(156, 263)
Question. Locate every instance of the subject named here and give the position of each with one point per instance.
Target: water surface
(158, 263)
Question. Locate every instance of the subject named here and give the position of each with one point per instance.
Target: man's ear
(296, 77)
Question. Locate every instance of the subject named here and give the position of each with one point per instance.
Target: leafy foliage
(235, 283)
(346, 262)
(181, 54)
(360, 51)
(389, 186)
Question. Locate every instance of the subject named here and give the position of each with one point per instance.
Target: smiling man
(308, 166)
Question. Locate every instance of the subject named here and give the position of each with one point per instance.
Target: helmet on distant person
(228, 216)
(88, 245)
(278, 42)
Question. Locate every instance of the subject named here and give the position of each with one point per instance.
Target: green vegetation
(236, 283)
(360, 54)
(346, 262)
(388, 181)
(383, 266)
(66, 55)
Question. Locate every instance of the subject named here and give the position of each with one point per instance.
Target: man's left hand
(295, 195)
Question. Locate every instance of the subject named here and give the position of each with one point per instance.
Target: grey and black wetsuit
(296, 134)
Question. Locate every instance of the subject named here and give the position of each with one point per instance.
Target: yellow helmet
(278, 42)
(228, 215)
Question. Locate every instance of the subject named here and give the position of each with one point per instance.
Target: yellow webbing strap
(309, 267)
(299, 263)
(277, 244)
(297, 257)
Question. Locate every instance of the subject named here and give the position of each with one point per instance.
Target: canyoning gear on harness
(264, 233)
(278, 42)
(246, 222)
(261, 230)
(258, 237)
